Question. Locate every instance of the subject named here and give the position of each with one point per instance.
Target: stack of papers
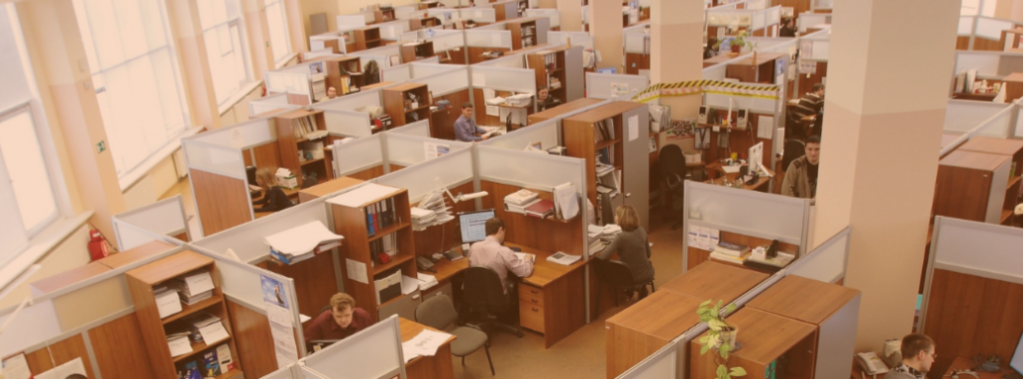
(611, 230)
(422, 218)
(425, 343)
(193, 288)
(209, 329)
(179, 344)
(435, 203)
(603, 168)
(167, 302)
(564, 258)
(302, 243)
(426, 281)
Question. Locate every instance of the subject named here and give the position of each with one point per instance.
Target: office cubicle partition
(1019, 121)
(479, 41)
(984, 33)
(966, 119)
(735, 215)
(361, 158)
(302, 84)
(554, 18)
(812, 20)
(487, 82)
(663, 364)
(545, 133)
(826, 263)
(287, 372)
(420, 128)
(973, 289)
(452, 170)
(757, 21)
(373, 353)
(610, 86)
(583, 39)
(988, 64)
(270, 104)
(406, 150)
(164, 220)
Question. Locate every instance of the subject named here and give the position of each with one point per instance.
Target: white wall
(73, 252)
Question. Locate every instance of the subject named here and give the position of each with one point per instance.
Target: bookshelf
(615, 135)
(344, 73)
(551, 72)
(294, 141)
(407, 103)
(141, 283)
(367, 38)
(416, 51)
(977, 186)
(524, 33)
(393, 228)
(773, 347)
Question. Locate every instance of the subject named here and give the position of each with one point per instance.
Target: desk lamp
(461, 197)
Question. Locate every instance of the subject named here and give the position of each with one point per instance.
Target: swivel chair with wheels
(673, 169)
(485, 297)
(439, 312)
(616, 274)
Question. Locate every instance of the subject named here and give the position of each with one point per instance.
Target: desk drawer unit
(404, 306)
(531, 308)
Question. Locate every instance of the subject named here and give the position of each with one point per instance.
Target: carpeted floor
(582, 354)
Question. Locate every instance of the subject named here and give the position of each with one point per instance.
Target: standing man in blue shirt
(465, 128)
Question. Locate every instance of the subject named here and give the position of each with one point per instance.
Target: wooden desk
(761, 184)
(563, 109)
(764, 339)
(67, 278)
(1013, 83)
(291, 193)
(715, 281)
(965, 364)
(637, 332)
(559, 286)
(948, 138)
(326, 188)
(1006, 147)
(141, 252)
(438, 366)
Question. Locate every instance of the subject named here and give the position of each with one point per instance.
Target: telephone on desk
(424, 264)
(871, 364)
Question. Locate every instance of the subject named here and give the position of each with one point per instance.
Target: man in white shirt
(490, 253)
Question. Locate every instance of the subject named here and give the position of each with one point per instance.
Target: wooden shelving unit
(976, 186)
(398, 105)
(417, 51)
(351, 222)
(141, 283)
(1007, 147)
(524, 33)
(551, 72)
(367, 38)
(773, 347)
(289, 144)
(342, 71)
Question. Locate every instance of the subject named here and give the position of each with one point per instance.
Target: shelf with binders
(524, 33)
(550, 71)
(696, 256)
(344, 73)
(303, 143)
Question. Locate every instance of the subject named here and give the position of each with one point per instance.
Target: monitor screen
(471, 224)
(610, 70)
(1015, 362)
(755, 155)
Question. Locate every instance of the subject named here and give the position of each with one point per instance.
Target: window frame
(26, 109)
(243, 41)
(284, 26)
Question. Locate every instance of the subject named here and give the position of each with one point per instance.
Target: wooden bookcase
(289, 145)
(550, 70)
(628, 155)
(417, 51)
(368, 38)
(773, 347)
(524, 33)
(397, 105)
(351, 223)
(341, 70)
(142, 281)
(976, 186)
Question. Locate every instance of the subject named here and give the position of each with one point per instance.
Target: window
(29, 177)
(135, 75)
(278, 25)
(225, 46)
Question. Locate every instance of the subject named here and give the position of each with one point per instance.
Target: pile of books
(594, 234)
(517, 202)
(422, 218)
(380, 215)
(729, 252)
(192, 288)
(436, 204)
(541, 209)
(305, 127)
(301, 243)
(199, 322)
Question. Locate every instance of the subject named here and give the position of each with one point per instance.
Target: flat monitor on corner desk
(755, 155)
(1015, 362)
(471, 225)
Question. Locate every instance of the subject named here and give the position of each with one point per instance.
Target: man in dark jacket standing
(802, 175)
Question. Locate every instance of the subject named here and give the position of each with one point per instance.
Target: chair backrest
(613, 272)
(671, 165)
(481, 289)
(437, 312)
(793, 149)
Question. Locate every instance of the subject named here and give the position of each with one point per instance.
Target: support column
(677, 48)
(259, 37)
(885, 105)
(195, 66)
(69, 99)
(570, 13)
(606, 27)
(296, 28)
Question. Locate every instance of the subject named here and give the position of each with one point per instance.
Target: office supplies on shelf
(286, 179)
(227, 362)
(520, 197)
(168, 302)
(179, 345)
(193, 288)
(541, 209)
(567, 203)
(564, 258)
(421, 218)
(520, 209)
(735, 250)
(729, 258)
(770, 264)
(302, 243)
(426, 281)
(388, 287)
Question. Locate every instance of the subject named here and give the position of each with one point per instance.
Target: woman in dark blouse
(631, 245)
(274, 198)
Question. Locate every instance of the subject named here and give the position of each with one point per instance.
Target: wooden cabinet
(761, 70)
(359, 249)
(976, 186)
(343, 73)
(302, 151)
(141, 283)
(531, 309)
(704, 282)
(407, 103)
(412, 52)
(772, 347)
(644, 328)
(524, 33)
(618, 134)
(368, 38)
(636, 62)
(560, 70)
(563, 109)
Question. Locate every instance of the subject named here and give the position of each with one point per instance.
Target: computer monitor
(609, 70)
(1015, 362)
(754, 156)
(471, 224)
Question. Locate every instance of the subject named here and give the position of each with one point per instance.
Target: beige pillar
(606, 27)
(570, 13)
(62, 73)
(195, 66)
(296, 28)
(259, 37)
(884, 110)
(1008, 9)
(677, 40)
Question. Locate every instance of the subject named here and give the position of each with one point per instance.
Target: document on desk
(522, 256)
(425, 343)
(731, 169)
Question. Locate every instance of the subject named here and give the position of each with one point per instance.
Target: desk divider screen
(965, 27)
(546, 133)
(325, 52)
(353, 102)
(398, 73)
(270, 103)
(373, 353)
(956, 243)
(309, 373)
(287, 82)
(220, 160)
(489, 38)
(751, 213)
(453, 169)
(447, 82)
(991, 28)
(1020, 121)
(504, 79)
(998, 126)
(514, 61)
(533, 170)
(447, 40)
(130, 236)
(348, 123)
(583, 39)
(481, 15)
(288, 372)
(826, 263)
(406, 150)
(392, 30)
(247, 239)
(962, 116)
(358, 155)
(405, 13)
(662, 364)
(426, 68)
(163, 218)
(607, 86)
(420, 129)
(554, 18)
(990, 64)
(637, 43)
(245, 135)
(345, 22)
(810, 19)
(33, 326)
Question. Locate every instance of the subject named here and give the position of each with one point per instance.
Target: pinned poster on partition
(433, 150)
(276, 303)
(619, 89)
(807, 51)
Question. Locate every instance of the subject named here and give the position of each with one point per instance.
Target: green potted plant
(721, 338)
(737, 42)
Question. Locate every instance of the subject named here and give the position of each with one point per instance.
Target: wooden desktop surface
(562, 109)
(544, 272)
(763, 338)
(973, 160)
(141, 252)
(644, 328)
(760, 185)
(438, 366)
(69, 277)
(327, 188)
(292, 194)
(715, 281)
(991, 145)
(965, 364)
(803, 299)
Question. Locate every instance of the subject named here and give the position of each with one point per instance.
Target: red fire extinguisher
(97, 245)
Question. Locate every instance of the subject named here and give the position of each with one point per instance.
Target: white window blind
(29, 177)
(277, 22)
(225, 46)
(135, 74)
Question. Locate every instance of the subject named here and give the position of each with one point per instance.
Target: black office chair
(673, 169)
(485, 297)
(616, 274)
(793, 149)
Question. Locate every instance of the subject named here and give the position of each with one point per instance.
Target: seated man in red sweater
(340, 322)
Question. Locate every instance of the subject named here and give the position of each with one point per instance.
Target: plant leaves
(719, 305)
(704, 350)
(731, 308)
(738, 372)
(723, 372)
(704, 339)
(714, 313)
(704, 304)
(724, 350)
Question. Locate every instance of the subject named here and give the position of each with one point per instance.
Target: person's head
(332, 93)
(342, 306)
(76, 376)
(818, 89)
(495, 227)
(787, 22)
(266, 178)
(543, 93)
(812, 149)
(467, 109)
(625, 217)
(918, 352)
